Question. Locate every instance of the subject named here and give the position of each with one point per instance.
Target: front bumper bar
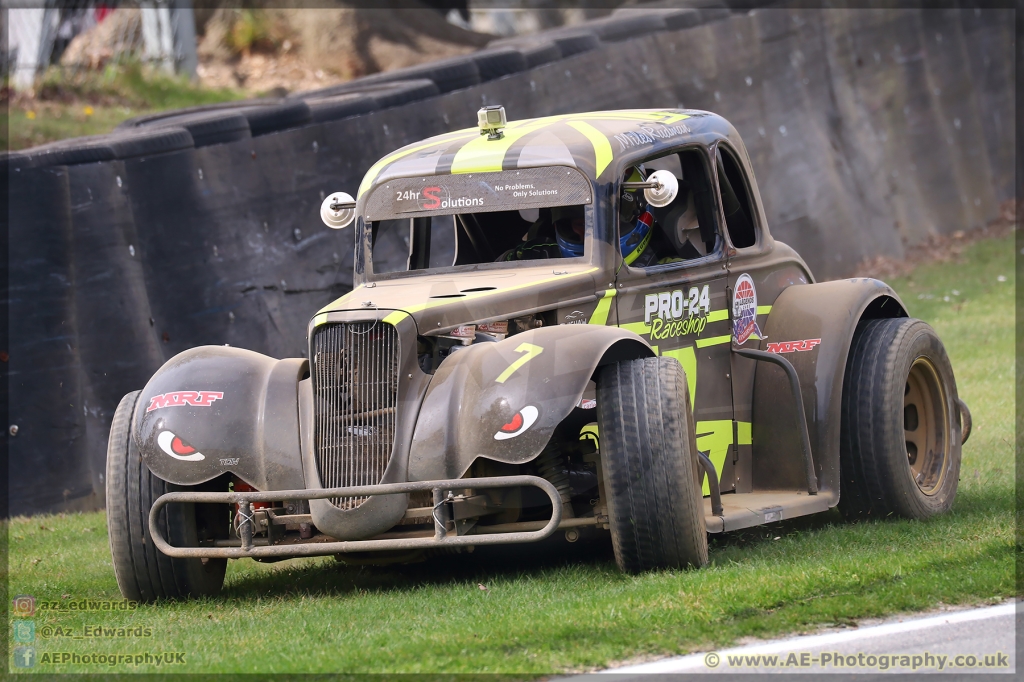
(441, 537)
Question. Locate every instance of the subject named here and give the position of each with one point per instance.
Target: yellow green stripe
(482, 155)
(713, 341)
(604, 306)
(376, 168)
(602, 148)
(714, 437)
(688, 359)
(743, 433)
(486, 156)
(395, 317)
(763, 309)
(718, 315)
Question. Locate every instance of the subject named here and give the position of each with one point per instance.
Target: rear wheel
(143, 572)
(649, 458)
(900, 434)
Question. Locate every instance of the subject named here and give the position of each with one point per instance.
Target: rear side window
(739, 216)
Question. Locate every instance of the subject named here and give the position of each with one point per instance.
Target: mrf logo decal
(677, 314)
(790, 346)
(180, 398)
(744, 310)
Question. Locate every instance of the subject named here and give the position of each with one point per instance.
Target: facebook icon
(24, 656)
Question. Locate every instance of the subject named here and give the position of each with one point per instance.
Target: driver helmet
(635, 221)
(569, 230)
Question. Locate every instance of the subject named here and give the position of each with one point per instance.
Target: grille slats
(355, 384)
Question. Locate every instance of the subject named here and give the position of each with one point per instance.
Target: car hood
(440, 302)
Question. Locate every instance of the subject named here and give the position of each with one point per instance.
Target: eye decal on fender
(177, 448)
(521, 420)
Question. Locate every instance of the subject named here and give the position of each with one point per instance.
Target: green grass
(93, 103)
(566, 607)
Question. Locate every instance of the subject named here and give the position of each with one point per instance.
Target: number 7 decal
(529, 351)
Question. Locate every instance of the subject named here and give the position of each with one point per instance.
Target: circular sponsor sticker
(744, 309)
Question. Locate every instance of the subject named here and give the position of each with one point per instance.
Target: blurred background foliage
(100, 70)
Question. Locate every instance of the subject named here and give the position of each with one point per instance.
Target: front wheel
(143, 572)
(649, 458)
(900, 433)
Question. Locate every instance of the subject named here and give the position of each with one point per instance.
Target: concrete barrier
(868, 130)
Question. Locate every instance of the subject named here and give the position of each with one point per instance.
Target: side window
(739, 217)
(681, 232)
(416, 244)
(442, 241)
(391, 245)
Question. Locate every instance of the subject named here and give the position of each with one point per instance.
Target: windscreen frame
(367, 219)
(505, 190)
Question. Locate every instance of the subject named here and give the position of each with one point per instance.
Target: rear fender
(215, 409)
(812, 326)
(503, 400)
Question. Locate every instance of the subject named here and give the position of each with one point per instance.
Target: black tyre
(117, 145)
(144, 573)
(649, 457)
(277, 117)
(539, 52)
(576, 43)
(496, 62)
(340, 106)
(626, 27)
(900, 433)
(215, 127)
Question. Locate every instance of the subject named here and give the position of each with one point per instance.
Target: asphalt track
(947, 642)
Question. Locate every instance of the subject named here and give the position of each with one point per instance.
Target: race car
(577, 324)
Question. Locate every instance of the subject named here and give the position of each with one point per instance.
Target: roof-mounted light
(491, 120)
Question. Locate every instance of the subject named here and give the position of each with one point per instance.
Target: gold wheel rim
(925, 426)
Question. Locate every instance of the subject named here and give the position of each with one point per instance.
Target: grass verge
(94, 103)
(558, 608)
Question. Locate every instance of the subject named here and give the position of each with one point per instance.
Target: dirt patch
(295, 50)
(276, 51)
(939, 248)
(265, 74)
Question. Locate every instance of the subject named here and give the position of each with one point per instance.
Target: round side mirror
(338, 210)
(666, 190)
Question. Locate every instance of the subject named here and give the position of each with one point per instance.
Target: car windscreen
(448, 221)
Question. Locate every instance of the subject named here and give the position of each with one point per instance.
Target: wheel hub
(925, 426)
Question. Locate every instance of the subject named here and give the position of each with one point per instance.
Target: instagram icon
(24, 606)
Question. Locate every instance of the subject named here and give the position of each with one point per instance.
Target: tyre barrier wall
(869, 130)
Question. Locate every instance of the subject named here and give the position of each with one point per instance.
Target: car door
(681, 304)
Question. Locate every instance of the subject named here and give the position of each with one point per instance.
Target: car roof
(587, 141)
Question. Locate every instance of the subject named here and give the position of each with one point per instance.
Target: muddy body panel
(812, 325)
(503, 400)
(214, 409)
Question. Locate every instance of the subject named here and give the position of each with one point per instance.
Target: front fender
(812, 325)
(539, 375)
(215, 409)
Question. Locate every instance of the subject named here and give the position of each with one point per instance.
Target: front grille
(355, 387)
